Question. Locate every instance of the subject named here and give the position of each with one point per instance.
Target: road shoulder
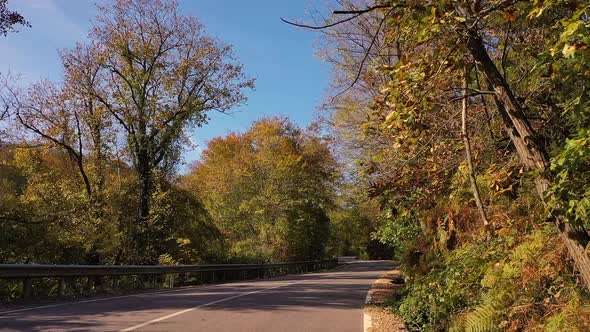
(377, 316)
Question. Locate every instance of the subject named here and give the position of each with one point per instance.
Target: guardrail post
(89, 282)
(61, 287)
(115, 282)
(172, 277)
(27, 283)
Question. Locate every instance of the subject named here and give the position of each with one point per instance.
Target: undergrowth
(513, 276)
(495, 285)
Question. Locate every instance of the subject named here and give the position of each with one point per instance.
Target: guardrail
(346, 259)
(160, 275)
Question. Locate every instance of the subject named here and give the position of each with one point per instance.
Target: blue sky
(290, 81)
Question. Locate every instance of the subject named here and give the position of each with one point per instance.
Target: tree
(164, 73)
(156, 73)
(523, 136)
(49, 114)
(8, 19)
(147, 76)
(528, 100)
(271, 197)
(449, 36)
(65, 117)
(468, 153)
(353, 220)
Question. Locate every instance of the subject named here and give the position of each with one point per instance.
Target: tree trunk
(530, 151)
(144, 197)
(144, 172)
(87, 185)
(141, 233)
(465, 134)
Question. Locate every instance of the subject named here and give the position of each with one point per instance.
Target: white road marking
(70, 303)
(138, 326)
(367, 319)
(2, 313)
(367, 322)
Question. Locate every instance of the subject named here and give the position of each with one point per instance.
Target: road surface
(327, 301)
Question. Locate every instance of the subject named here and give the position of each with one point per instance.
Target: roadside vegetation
(467, 122)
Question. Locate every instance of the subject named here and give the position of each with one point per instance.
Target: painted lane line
(138, 326)
(2, 313)
(367, 322)
(367, 319)
(69, 303)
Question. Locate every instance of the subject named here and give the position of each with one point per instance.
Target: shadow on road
(341, 288)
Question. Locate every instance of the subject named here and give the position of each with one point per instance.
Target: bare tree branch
(362, 64)
(356, 13)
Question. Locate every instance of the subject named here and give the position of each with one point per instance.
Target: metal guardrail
(346, 259)
(39, 271)
(215, 272)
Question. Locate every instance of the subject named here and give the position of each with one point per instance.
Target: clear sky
(289, 80)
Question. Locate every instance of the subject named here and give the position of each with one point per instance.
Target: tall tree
(47, 112)
(145, 78)
(157, 74)
(445, 36)
(270, 199)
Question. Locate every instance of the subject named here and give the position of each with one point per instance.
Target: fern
(482, 319)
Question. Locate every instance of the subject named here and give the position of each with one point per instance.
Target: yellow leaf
(568, 50)
(503, 232)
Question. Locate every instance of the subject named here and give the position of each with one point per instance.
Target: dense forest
(455, 137)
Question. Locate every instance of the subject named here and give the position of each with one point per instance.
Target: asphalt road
(327, 301)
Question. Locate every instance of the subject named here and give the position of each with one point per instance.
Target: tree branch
(356, 13)
(362, 64)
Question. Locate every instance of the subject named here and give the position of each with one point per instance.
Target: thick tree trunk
(140, 237)
(468, 155)
(530, 151)
(144, 172)
(87, 185)
(144, 198)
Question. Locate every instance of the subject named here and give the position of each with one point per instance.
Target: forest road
(324, 301)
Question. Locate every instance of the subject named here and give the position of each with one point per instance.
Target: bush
(451, 285)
